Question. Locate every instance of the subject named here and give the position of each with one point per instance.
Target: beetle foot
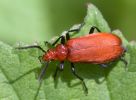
(104, 65)
(85, 88)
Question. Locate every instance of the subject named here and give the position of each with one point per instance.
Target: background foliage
(33, 20)
(38, 20)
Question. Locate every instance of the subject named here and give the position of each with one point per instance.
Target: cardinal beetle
(97, 48)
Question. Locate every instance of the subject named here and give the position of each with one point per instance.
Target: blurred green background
(38, 20)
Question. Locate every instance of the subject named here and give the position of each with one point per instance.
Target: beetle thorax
(58, 53)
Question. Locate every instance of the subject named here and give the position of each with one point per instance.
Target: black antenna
(31, 46)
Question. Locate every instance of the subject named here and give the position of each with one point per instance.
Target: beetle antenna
(43, 71)
(32, 46)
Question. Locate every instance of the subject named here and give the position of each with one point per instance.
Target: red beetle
(98, 48)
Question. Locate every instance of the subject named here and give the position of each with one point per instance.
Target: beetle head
(57, 53)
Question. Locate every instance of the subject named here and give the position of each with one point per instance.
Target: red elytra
(97, 48)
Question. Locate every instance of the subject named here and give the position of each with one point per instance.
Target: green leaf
(121, 83)
(132, 53)
(124, 41)
(94, 18)
(14, 67)
(24, 20)
(19, 69)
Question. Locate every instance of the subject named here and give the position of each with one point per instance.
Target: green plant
(19, 69)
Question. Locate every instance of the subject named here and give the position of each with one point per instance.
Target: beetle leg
(67, 34)
(73, 30)
(80, 78)
(46, 43)
(55, 74)
(32, 46)
(62, 40)
(123, 59)
(40, 59)
(93, 28)
(125, 62)
(43, 72)
(60, 68)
